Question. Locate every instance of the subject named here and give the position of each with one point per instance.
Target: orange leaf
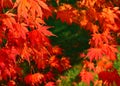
(50, 84)
(109, 76)
(6, 3)
(110, 50)
(95, 53)
(30, 8)
(86, 77)
(32, 79)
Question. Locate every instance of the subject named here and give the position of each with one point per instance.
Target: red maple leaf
(66, 14)
(6, 3)
(86, 77)
(57, 50)
(49, 76)
(55, 63)
(109, 77)
(25, 52)
(110, 50)
(11, 83)
(32, 79)
(99, 39)
(50, 84)
(95, 53)
(89, 65)
(44, 30)
(110, 15)
(27, 9)
(65, 63)
(7, 19)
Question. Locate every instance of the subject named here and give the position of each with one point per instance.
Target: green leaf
(82, 84)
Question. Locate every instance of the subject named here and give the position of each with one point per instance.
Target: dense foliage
(26, 55)
(28, 58)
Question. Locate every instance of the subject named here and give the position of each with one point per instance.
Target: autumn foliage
(102, 19)
(25, 44)
(24, 40)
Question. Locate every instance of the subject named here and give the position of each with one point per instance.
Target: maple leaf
(95, 53)
(11, 83)
(25, 52)
(5, 74)
(110, 22)
(104, 64)
(98, 83)
(23, 7)
(109, 65)
(67, 14)
(87, 3)
(41, 57)
(42, 63)
(17, 34)
(50, 84)
(8, 63)
(55, 63)
(110, 50)
(82, 55)
(96, 40)
(35, 42)
(12, 52)
(109, 77)
(44, 30)
(43, 5)
(91, 27)
(32, 79)
(99, 39)
(33, 24)
(46, 13)
(40, 35)
(9, 53)
(89, 65)
(83, 19)
(63, 15)
(65, 63)
(7, 20)
(26, 8)
(57, 50)
(49, 76)
(86, 76)
(107, 38)
(6, 3)
(18, 31)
